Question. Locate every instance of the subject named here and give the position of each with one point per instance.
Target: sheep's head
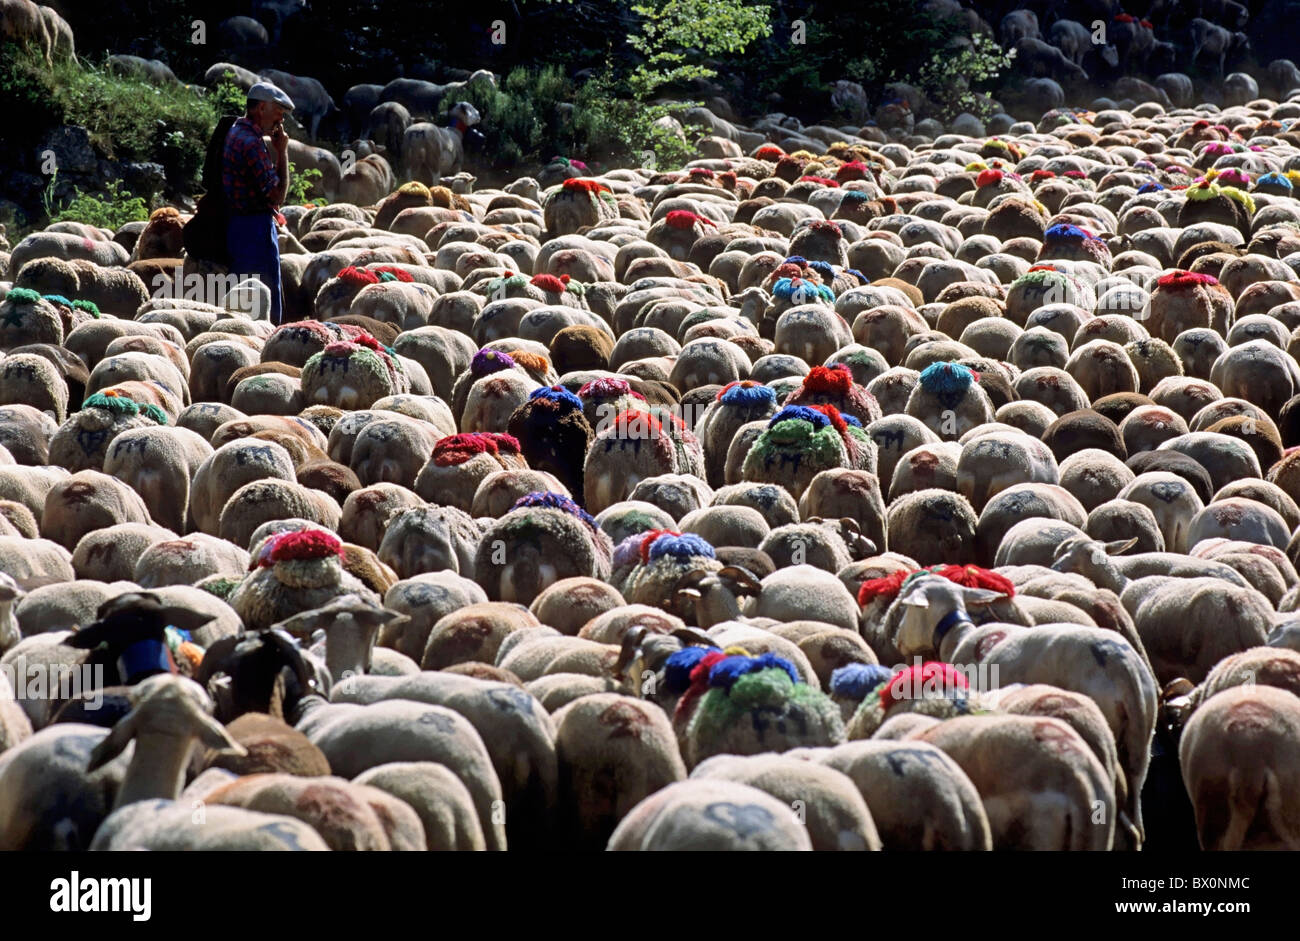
(350, 623)
(710, 596)
(1088, 557)
(465, 113)
(645, 652)
(131, 633)
(258, 671)
(860, 546)
(932, 606)
(10, 595)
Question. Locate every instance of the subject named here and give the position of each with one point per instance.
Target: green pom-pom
(1200, 192)
(154, 412)
(119, 404)
(1240, 196)
(23, 296)
(89, 306)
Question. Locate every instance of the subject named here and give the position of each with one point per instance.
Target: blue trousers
(255, 252)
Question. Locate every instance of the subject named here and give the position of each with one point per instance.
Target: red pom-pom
(648, 539)
(914, 681)
(457, 449)
(703, 172)
(357, 277)
(547, 282)
(1185, 279)
(579, 184)
(1042, 175)
(887, 587)
(685, 219)
(636, 424)
(829, 380)
(1146, 24)
(1123, 18)
(972, 576)
(769, 152)
(988, 178)
(305, 544)
(370, 343)
(398, 273)
(824, 181)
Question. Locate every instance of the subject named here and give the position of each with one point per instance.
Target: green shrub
(300, 185)
(111, 211)
(127, 118)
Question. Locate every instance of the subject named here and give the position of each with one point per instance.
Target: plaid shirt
(248, 174)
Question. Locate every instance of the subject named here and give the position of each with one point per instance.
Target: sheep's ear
(213, 734)
(915, 599)
(981, 596)
(741, 578)
(113, 745)
(1120, 546)
(185, 619)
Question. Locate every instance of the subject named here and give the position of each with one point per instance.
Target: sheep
(347, 815)
(168, 825)
(1023, 766)
(1233, 753)
(358, 738)
(443, 803)
(919, 797)
(706, 814)
(826, 800)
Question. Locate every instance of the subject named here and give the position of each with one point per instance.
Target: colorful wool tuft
(487, 361)
(800, 413)
(547, 282)
(1185, 279)
(678, 667)
(457, 449)
(911, 682)
(23, 296)
(685, 219)
(548, 500)
(680, 546)
(829, 380)
(357, 277)
(294, 546)
(580, 185)
(856, 680)
(746, 392)
(988, 178)
(558, 396)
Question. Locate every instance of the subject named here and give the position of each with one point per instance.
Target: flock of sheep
(844, 490)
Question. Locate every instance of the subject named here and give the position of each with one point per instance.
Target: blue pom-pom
(855, 195)
(946, 379)
(58, 299)
(685, 546)
(803, 413)
(851, 419)
(677, 669)
(796, 260)
(856, 680)
(769, 661)
(558, 395)
(862, 278)
(726, 671)
(1063, 230)
(1274, 178)
(547, 500)
(754, 395)
(1150, 187)
(824, 269)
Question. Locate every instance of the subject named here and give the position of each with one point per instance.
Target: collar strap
(947, 623)
(144, 658)
(460, 125)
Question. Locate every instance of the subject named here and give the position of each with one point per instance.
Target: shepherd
(254, 181)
